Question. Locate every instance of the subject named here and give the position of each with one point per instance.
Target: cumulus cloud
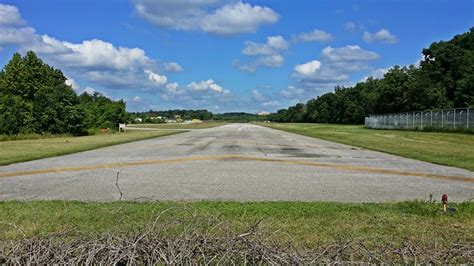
(210, 16)
(313, 36)
(91, 54)
(197, 94)
(9, 15)
(160, 80)
(172, 87)
(308, 68)
(173, 67)
(274, 45)
(268, 54)
(348, 53)
(71, 82)
(271, 61)
(209, 85)
(95, 60)
(11, 35)
(334, 68)
(383, 36)
(137, 99)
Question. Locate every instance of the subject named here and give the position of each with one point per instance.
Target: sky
(225, 55)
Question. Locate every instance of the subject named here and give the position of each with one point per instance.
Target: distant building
(138, 120)
(263, 113)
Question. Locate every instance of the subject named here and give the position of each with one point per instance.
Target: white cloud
(308, 68)
(271, 61)
(334, 68)
(95, 60)
(91, 54)
(173, 67)
(202, 94)
(379, 72)
(137, 99)
(160, 80)
(9, 15)
(10, 35)
(269, 53)
(348, 53)
(210, 16)
(71, 82)
(274, 45)
(383, 36)
(172, 87)
(314, 36)
(90, 91)
(206, 85)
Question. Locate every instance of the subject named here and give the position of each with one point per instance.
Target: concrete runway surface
(241, 162)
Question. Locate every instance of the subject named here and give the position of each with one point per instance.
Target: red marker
(444, 199)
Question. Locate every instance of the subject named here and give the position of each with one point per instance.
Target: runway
(242, 162)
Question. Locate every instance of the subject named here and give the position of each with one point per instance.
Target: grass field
(32, 149)
(180, 125)
(308, 224)
(452, 149)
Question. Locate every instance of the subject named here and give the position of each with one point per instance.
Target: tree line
(205, 115)
(444, 79)
(34, 98)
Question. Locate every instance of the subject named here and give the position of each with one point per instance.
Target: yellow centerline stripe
(343, 167)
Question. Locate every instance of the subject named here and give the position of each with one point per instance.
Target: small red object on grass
(444, 198)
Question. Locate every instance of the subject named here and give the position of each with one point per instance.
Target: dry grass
(205, 239)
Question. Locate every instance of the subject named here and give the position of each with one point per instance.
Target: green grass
(308, 224)
(180, 125)
(452, 149)
(32, 149)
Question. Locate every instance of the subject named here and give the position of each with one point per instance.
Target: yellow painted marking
(343, 167)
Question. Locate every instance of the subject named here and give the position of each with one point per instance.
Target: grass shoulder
(307, 223)
(32, 149)
(451, 149)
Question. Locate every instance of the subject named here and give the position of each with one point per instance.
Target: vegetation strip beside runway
(342, 167)
(33, 149)
(451, 149)
(419, 228)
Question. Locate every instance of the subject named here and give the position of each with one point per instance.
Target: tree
(35, 98)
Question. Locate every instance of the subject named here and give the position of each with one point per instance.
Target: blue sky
(225, 55)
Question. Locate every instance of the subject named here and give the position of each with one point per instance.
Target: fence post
(422, 114)
(442, 119)
(454, 119)
(431, 124)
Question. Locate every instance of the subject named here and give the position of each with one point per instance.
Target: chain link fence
(448, 119)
